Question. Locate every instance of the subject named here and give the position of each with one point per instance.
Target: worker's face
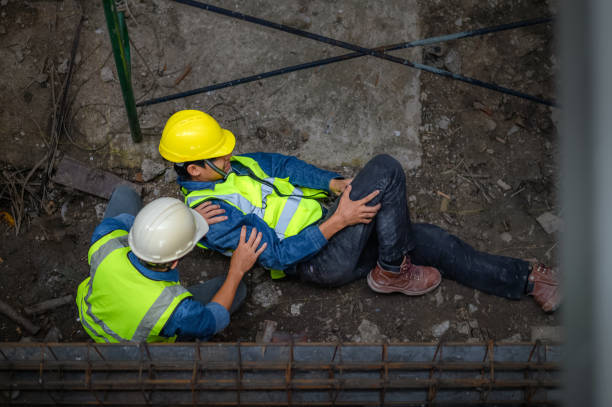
(205, 173)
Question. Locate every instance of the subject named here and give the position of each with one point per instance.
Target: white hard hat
(165, 230)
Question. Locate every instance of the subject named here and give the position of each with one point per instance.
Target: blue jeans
(125, 200)
(353, 252)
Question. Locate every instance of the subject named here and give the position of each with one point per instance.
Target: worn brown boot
(411, 280)
(546, 290)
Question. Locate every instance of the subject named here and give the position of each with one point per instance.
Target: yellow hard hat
(191, 135)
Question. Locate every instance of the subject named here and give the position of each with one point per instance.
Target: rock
(42, 78)
(266, 294)
(443, 122)
(151, 169)
(3, 3)
(506, 237)
(439, 297)
(550, 223)
(63, 66)
(368, 333)
(437, 50)
(54, 335)
(490, 124)
(106, 74)
(397, 133)
(100, 208)
(458, 297)
(463, 328)
(503, 185)
(452, 61)
(439, 329)
(2, 29)
(513, 339)
(472, 308)
(19, 54)
(170, 176)
(296, 309)
(473, 323)
(513, 130)
(459, 22)
(546, 333)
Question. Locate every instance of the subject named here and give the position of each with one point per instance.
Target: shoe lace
(541, 268)
(410, 271)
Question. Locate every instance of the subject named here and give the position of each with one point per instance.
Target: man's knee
(384, 163)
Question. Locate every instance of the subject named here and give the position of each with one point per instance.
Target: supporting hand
(211, 212)
(247, 252)
(353, 212)
(243, 259)
(349, 213)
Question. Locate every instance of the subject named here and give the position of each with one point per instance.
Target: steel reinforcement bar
(305, 374)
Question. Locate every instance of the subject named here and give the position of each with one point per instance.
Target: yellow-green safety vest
(117, 303)
(287, 215)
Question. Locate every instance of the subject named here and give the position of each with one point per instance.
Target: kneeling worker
(133, 291)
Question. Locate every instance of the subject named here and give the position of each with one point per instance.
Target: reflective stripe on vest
(278, 217)
(146, 323)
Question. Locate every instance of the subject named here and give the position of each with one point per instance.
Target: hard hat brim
(229, 143)
(201, 226)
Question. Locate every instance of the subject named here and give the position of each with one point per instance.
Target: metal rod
(344, 57)
(117, 31)
(363, 50)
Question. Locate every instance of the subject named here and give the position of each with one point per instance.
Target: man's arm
(191, 319)
(119, 222)
(299, 172)
(281, 254)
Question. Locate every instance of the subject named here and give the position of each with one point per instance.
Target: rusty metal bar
(238, 374)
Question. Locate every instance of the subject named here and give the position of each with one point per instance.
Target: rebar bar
(279, 374)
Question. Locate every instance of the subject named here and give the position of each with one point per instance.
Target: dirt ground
(488, 169)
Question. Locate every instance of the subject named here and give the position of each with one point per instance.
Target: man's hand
(247, 252)
(349, 213)
(211, 212)
(337, 186)
(353, 212)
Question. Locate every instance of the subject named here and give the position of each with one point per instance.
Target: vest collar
(171, 275)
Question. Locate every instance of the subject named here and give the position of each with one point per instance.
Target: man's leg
(349, 253)
(123, 200)
(204, 292)
(498, 275)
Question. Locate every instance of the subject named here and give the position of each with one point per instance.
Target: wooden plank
(75, 174)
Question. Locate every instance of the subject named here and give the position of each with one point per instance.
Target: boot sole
(385, 290)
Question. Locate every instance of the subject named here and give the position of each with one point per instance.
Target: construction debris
(77, 175)
(48, 305)
(550, 223)
(18, 318)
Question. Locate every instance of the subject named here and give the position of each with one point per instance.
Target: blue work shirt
(280, 254)
(191, 318)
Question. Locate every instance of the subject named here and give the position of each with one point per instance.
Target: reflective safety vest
(117, 303)
(287, 215)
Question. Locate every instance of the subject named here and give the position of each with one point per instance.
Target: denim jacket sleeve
(123, 221)
(193, 320)
(300, 173)
(279, 255)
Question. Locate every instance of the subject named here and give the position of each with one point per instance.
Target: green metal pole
(117, 30)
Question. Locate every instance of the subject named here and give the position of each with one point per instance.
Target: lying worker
(367, 232)
(133, 291)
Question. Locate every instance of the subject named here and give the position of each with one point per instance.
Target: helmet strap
(216, 169)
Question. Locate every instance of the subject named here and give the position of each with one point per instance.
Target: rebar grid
(322, 374)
